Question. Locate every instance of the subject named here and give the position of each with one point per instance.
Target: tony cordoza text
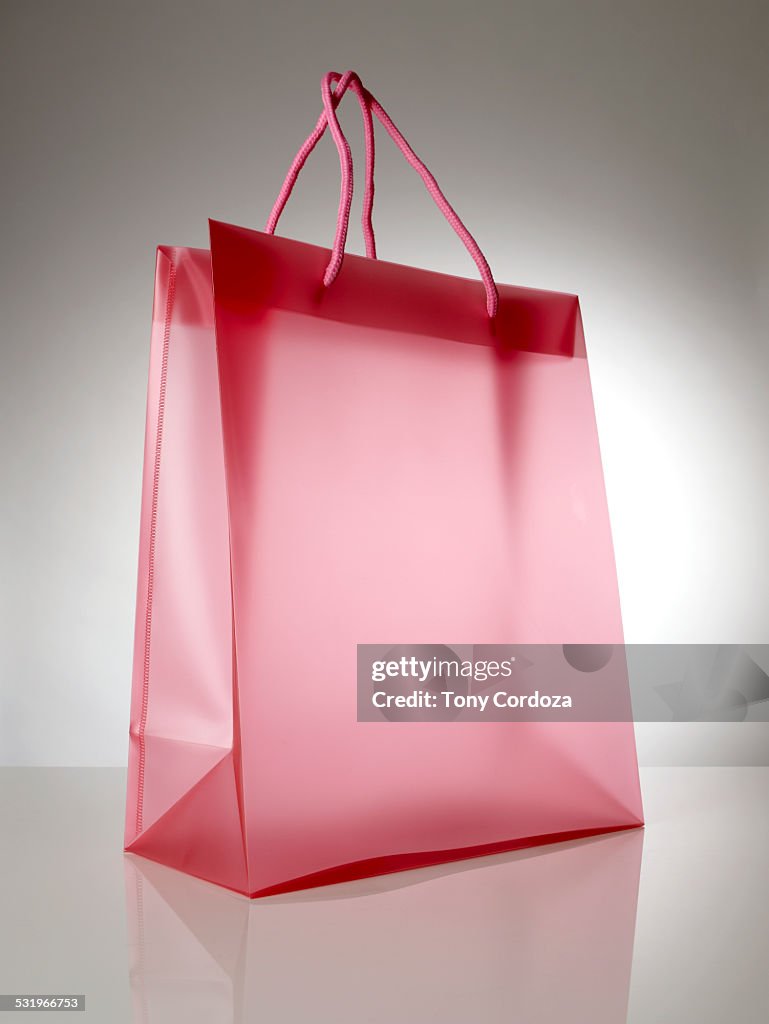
(477, 701)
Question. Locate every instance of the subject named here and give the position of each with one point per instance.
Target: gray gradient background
(617, 150)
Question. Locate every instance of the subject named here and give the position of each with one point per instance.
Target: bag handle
(349, 79)
(329, 117)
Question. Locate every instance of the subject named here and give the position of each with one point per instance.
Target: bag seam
(151, 552)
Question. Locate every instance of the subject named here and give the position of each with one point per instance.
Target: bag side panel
(181, 706)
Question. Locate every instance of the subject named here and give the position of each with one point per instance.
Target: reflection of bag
(530, 938)
(379, 453)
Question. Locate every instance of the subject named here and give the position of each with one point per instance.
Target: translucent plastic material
(377, 461)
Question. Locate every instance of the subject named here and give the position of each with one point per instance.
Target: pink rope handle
(492, 296)
(330, 102)
(345, 200)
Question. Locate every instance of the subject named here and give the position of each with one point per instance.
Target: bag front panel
(391, 485)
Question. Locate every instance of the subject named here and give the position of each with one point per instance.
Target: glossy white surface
(516, 937)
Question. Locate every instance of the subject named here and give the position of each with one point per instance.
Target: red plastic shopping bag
(343, 451)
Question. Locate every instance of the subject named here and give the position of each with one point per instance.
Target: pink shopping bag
(344, 451)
